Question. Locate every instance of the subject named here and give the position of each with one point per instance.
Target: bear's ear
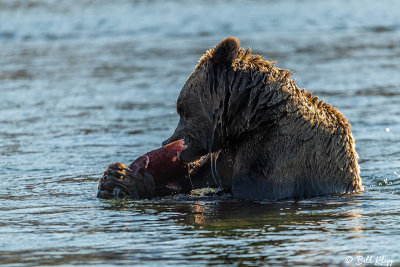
(226, 51)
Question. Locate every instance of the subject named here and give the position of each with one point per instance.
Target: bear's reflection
(321, 214)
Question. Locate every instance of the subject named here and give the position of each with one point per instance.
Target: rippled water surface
(86, 83)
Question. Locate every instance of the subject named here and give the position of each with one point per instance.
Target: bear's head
(221, 100)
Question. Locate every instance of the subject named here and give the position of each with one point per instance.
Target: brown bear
(267, 139)
(250, 130)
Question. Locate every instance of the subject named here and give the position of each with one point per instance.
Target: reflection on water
(87, 83)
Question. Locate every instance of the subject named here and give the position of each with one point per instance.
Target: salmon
(162, 163)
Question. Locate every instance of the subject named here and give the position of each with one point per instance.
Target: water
(87, 83)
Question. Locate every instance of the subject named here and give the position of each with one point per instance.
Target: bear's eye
(179, 110)
(185, 113)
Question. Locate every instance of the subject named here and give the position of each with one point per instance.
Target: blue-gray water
(86, 83)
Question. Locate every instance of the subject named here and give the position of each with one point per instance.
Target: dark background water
(86, 83)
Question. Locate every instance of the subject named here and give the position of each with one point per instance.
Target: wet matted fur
(268, 138)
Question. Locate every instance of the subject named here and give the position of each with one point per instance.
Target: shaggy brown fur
(267, 138)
